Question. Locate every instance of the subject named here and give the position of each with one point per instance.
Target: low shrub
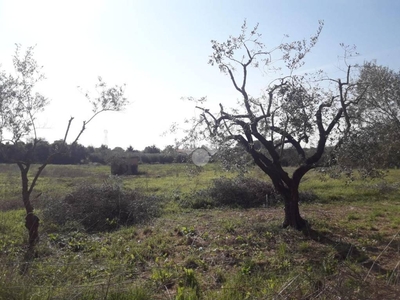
(241, 192)
(200, 199)
(10, 204)
(307, 197)
(162, 158)
(102, 207)
(124, 166)
(238, 192)
(231, 192)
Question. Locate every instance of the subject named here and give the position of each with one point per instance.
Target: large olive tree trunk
(288, 188)
(292, 213)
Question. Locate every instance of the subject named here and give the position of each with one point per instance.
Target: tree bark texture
(32, 224)
(31, 220)
(292, 213)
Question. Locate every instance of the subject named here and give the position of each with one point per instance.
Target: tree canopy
(294, 110)
(375, 141)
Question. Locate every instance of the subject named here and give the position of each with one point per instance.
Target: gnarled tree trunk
(292, 213)
(288, 188)
(31, 220)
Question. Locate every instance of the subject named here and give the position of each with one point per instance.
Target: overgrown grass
(352, 252)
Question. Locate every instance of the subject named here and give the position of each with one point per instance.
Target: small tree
(151, 149)
(19, 106)
(375, 144)
(381, 87)
(130, 149)
(294, 110)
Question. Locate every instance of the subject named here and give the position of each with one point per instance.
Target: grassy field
(352, 251)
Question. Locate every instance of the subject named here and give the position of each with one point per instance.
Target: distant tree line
(79, 154)
(67, 154)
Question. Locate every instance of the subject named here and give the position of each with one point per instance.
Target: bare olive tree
(19, 107)
(295, 110)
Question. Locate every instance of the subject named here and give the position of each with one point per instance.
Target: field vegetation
(185, 241)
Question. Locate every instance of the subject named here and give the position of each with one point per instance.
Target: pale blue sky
(160, 50)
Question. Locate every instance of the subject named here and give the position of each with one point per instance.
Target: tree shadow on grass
(346, 251)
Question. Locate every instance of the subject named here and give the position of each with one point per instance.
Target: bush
(241, 192)
(238, 192)
(198, 200)
(97, 158)
(166, 159)
(162, 158)
(307, 197)
(102, 207)
(124, 166)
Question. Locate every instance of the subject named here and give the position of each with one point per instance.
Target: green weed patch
(352, 251)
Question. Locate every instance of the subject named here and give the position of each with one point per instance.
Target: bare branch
(233, 79)
(66, 132)
(290, 139)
